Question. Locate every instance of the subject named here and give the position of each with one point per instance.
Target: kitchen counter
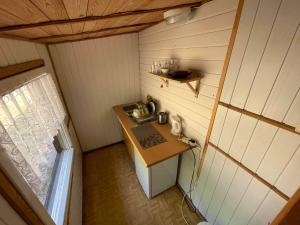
(157, 153)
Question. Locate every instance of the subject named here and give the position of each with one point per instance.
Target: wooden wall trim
(94, 18)
(260, 117)
(17, 202)
(289, 215)
(12, 70)
(272, 187)
(102, 147)
(222, 80)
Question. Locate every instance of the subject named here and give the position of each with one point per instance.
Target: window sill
(57, 207)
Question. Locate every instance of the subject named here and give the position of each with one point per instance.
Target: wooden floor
(113, 196)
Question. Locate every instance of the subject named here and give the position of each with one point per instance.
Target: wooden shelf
(193, 77)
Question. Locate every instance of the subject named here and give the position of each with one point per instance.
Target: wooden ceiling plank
(76, 9)
(135, 5)
(53, 9)
(140, 25)
(132, 19)
(96, 7)
(94, 18)
(24, 10)
(115, 6)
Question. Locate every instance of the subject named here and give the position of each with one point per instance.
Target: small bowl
(165, 70)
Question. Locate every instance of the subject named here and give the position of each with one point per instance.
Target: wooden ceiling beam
(47, 38)
(100, 36)
(94, 18)
(14, 37)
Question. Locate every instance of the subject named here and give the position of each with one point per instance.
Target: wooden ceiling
(55, 21)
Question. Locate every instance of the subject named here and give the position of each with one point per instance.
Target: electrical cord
(192, 187)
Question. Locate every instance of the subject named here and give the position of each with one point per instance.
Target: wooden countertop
(156, 153)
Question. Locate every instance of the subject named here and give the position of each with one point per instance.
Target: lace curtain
(30, 117)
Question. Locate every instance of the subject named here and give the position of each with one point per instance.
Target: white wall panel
(241, 41)
(242, 136)
(201, 44)
(259, 36)
(281, 37)
(292, 117)
(279, 154)
(96, 75)
(289, 180)
(235, 193)
(252, 198)
(269, 208)
(230, 125)
(259, 144)
(211, 182)
(226, 177)
(286, 86)
(262, 77)
(198, 192)
(218, 124)
(263, 70)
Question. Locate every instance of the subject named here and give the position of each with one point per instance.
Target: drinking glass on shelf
(167, 64)
(155, 66)
(152, 68)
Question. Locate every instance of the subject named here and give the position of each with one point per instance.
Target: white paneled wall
(96, 75)
(200, 44)
(267, 150)
(263, 74)
(263, 77)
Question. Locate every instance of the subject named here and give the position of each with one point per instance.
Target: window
(34, 138)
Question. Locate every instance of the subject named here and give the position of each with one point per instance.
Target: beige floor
(113, 196)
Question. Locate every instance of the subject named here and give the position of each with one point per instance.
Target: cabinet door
(163, 175)
(129, 145)
(142, 172)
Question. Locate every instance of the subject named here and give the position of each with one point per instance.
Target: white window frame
(56, 215)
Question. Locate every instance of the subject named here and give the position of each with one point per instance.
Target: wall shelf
(191, 78)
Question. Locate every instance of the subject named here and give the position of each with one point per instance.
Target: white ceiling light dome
(177, 15)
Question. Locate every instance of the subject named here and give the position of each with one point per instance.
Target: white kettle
(176, 125)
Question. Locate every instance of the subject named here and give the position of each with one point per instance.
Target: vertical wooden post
(290, 213)
(222, 79)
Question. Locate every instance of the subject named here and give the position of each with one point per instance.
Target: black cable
(193, 173)
(190, 191)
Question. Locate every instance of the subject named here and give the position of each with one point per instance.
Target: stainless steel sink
(128, 109)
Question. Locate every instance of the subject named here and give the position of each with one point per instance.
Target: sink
(128, 109)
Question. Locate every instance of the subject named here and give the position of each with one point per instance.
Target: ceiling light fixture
(177, 15)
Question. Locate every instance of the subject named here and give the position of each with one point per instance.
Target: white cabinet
(143, 173)
(157, 178)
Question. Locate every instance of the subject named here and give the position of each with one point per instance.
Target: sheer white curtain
(30, 117)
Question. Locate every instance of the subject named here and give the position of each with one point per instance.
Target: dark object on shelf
(162, 117)
(180, 74)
